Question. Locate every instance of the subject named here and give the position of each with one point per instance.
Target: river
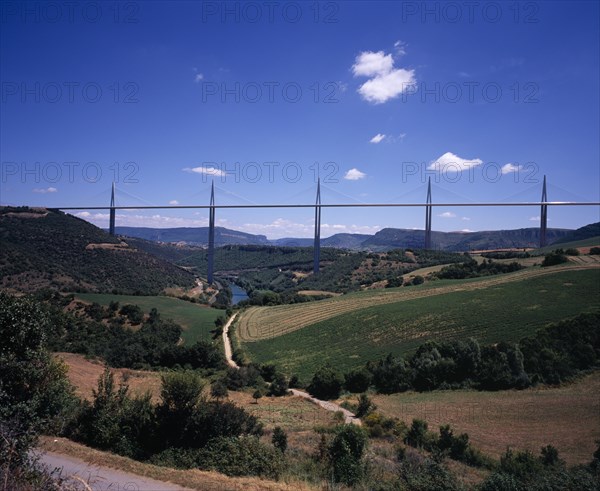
(238, 294)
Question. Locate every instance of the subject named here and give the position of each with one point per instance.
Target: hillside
(384, 240)
(46, 248)
(352, 329)
(192, 235)
(589, 231)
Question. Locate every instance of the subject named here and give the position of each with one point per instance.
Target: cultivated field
(257, 323)
(567, 417)
(196, 320)
(365, 329)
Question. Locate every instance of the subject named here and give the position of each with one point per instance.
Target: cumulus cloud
(198, 78)
(377, 138)
(447, 214)
(385, 81)
(450, 162)
(466, 219)
(354, 175)
(45, 190)
(173, 202)
(210, 171)
(508, 168)
(282, 227)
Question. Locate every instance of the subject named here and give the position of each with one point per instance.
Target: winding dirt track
(349, 418)
(257, 323)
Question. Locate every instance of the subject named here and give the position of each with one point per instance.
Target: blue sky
(375, 97)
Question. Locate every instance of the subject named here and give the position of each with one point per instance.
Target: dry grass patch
(567, 417)
(84, 374)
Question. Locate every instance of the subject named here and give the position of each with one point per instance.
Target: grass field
(196, 320)
(493, 311)
(258, 323)
(591, 242)
(567, 417)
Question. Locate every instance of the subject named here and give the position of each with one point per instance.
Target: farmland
(267, 322)
(526, 419)
(349, 331)
(196, 320)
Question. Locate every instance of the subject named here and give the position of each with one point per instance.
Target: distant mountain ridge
(385, 239)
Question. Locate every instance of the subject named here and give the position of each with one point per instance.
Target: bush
(594, 251)
(279, 386)
(345, 454)
(241, 456)
(326, 383)
(365, 406)
(418, 436)
(554, 258)
(218, 390)
(279, 439)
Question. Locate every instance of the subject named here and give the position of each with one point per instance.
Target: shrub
(365, 406)
(241, 456)
(218, 390)
(326, 383)
(345, 454)
(418, 436)
(594, 251)
(279, 439)
(554, 258)
(571, 251)
(279, 386)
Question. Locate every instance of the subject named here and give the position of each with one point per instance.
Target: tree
(326, 383)
(365, 406)
(218, 390)
(35, 394)
(257, 395)
(279, 386)
(279, 439)
(358, 380)
(345, 454)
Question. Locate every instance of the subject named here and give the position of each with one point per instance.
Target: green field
(495, 312)
(591, 242)
(196, 320)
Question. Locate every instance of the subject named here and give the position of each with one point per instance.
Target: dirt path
(349, 418)
(101, 478)
(227, 342)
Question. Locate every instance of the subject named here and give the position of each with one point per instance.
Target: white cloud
(466, 230)
(386, 82)
(466, 219)
(400, 48)
(173, 202)
(377, 138)
(282, 227)
(384, 87)
(370, 63)
(198, 78)
(354, 175)
(508, 168)
(534, 219)
(447, 214)
(453, 163)
(45, 190)
(210, 171)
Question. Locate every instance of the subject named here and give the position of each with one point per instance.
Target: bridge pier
(428, 210)
(211, 235)
(317, 244)
(543, 215)
(111, 221)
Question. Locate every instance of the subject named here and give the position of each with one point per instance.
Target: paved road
(101, 478)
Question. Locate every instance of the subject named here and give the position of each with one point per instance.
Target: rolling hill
(384, 240)
(46, 248)
(350, 330)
